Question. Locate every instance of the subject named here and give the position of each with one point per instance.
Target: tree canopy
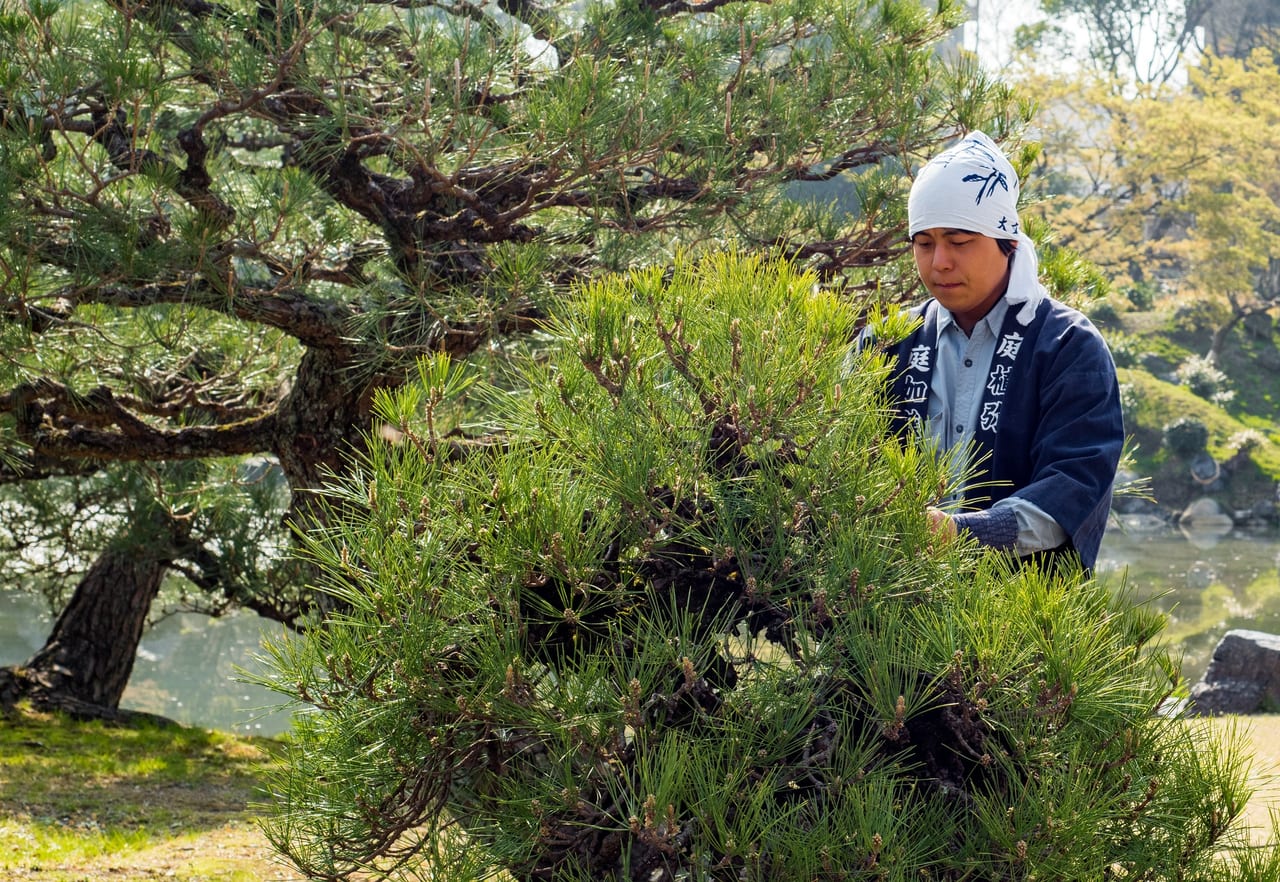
(228, 224)
(1136, 41)
(1174, 186)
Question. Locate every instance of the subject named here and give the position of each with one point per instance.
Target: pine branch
(56, 422)
(193, 182)
(17, 467)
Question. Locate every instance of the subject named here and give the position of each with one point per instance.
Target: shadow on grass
(94, 788)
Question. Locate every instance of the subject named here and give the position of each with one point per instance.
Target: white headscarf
(972, 186)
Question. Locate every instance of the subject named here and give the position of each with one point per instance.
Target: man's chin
(948, 296)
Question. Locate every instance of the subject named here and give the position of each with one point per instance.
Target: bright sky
(992, 23)
(991, 26)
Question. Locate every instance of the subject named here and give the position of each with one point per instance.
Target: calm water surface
(187, 666)
(1207, 584)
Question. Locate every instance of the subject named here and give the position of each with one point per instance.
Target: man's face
(965, 272)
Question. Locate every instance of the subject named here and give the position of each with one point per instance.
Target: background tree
(690, 623)
(198, 535)
(227, 225)
(1176, 185)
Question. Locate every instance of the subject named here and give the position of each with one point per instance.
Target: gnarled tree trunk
(90, 653)
(85, 663)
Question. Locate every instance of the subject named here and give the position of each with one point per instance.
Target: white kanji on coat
(918, 360)
(917, 390)
(1009, 346)
(990, 415)
(998, 382)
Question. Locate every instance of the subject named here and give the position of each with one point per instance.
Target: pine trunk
(90, 653)
(319, 427)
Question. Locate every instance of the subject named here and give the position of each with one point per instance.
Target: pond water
(188, 666)
(1207, 583)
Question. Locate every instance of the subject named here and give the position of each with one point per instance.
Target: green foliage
(1126, 349)
(1103, 312)
(1246, 440)
(228, 227)
(689, 622)
(1170, 186)
(1186, 436)
(1197, 315)
(1067, 274)
(1155, 401)
(1203, 378)
(1142, 295)
(50, 532)
(1130, 401)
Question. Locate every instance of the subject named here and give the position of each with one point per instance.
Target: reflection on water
(187, 666)
(1208, 582)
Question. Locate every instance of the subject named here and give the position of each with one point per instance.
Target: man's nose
(942, 257)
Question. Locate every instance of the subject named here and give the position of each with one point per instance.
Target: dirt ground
(237, 851)
(1264, 732)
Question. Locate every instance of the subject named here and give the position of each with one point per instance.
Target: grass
(86, 801)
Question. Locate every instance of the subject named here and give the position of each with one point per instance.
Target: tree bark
(319, 424)
(85, 664)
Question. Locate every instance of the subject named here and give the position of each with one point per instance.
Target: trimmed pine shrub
(680, 617)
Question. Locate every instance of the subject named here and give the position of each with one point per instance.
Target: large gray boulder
(1243, 676)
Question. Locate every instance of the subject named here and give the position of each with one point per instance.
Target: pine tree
(688, 622)
(227, 224)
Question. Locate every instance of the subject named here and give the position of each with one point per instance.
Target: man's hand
(940, 524)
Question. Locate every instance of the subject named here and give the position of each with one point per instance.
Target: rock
(1154, 364)
(1142, 523)
(1136, 505)
(1204, 513)
(1204, 523)
(1243, 676)
(1265, 512)
(1204, 540)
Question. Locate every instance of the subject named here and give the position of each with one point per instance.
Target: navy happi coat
(1050, 420)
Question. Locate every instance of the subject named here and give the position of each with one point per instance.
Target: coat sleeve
(1076, 445)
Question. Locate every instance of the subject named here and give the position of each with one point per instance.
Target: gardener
(1022, 386)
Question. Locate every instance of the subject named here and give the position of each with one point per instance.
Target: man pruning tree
(1021, 386)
